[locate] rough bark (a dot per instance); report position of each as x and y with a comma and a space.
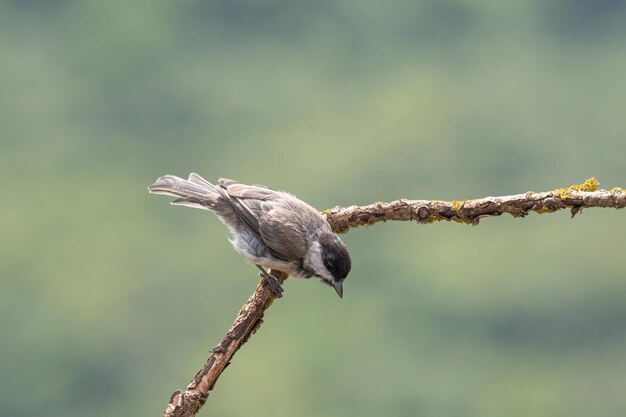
188, 403
576, 197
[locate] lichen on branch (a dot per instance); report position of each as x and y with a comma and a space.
575, 197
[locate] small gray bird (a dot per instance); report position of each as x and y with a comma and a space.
269, 228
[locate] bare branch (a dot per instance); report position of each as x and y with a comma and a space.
576, 197
187, 403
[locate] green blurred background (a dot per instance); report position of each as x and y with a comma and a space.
110, 298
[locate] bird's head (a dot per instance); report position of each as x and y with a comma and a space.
330, 261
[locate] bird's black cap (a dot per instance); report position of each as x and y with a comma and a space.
335, 256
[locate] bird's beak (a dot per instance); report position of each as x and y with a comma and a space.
339, 288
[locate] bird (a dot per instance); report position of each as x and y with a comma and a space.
269, 228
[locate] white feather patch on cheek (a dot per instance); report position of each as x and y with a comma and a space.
314, 260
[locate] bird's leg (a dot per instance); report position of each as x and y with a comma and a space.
272, 281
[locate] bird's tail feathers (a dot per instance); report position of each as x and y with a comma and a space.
193, 192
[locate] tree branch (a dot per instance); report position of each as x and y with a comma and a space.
576, 197
187, 403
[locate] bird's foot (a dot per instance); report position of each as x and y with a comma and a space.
272, 282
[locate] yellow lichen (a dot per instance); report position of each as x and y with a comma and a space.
457, 205
543, 209
590, 185
435, 218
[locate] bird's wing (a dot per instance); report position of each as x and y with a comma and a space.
261, 209
246, 191
283, 231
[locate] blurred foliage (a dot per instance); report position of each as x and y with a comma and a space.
110, 299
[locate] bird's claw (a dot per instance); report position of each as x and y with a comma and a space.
272, 282
274, 285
